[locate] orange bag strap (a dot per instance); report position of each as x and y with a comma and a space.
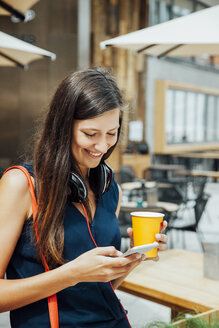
52, 300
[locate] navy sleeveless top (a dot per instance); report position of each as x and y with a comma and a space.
92, 304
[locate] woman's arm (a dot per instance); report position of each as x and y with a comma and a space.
15, 208
100, 264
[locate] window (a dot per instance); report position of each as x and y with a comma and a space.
191, 116
185, 117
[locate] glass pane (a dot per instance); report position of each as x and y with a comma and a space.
215, 117
154, 12
187, 4
210, 118
164, 12
217, 126
179, 117
169, 116
190, 117
200, 116
182, 8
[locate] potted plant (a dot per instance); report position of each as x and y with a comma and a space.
208, 319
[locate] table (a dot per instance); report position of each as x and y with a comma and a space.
162, 171
175, 281
212, 155
138, 185
132, 206
206, 173
200, 173
203, 154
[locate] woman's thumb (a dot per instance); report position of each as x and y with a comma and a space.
108, 251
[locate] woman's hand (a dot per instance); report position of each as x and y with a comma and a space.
161, 238
101, 264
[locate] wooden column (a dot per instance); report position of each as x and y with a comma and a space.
111, 18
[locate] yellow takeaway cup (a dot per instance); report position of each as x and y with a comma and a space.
145, 226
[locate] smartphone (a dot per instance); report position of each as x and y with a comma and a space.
141, 249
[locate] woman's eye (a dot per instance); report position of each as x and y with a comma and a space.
112, 134
89, 135
94, 134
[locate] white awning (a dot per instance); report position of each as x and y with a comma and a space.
191, 35
15, 52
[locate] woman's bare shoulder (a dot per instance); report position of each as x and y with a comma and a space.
14, 179
14, 194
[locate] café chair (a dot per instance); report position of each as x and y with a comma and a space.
170, 193
178, 224
198, 184
125, 174
124, 221
168, 216
163, 172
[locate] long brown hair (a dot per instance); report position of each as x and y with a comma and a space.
81, 95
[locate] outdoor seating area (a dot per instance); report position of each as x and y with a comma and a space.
182, 198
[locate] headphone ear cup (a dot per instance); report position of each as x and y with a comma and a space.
101, 178
77, 188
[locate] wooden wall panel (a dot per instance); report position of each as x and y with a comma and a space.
25, 94
9, 115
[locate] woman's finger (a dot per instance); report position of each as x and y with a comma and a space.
130, 234
107, 251
155, 259
162, 247
163, 226
161, 237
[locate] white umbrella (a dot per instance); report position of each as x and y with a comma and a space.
14, 52
17, 8
191, 35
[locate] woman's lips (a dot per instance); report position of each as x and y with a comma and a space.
93, 154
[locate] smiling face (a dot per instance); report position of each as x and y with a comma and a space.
93, 137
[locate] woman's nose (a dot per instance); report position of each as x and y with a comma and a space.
102, 146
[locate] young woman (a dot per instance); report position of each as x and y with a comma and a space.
78, 205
